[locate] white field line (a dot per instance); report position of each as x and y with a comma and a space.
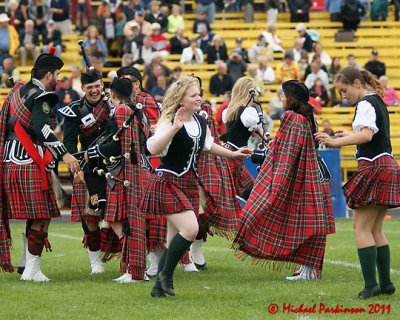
215, 249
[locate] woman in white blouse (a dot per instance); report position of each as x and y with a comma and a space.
173, 190
192, 54
264, 71
273, 39
376, 185
325, 58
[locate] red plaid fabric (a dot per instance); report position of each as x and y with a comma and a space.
101, 113
375, 183
222, 209
242, 177
166, 193
110, 244
23, 192
289, 205
134, 250
78, 202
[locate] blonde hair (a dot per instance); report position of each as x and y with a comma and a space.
174, 95
240, 96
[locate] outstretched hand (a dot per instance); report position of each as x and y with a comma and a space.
242, 153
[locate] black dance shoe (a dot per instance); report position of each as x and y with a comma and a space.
167, 284
157, 291
369, 292
388, 289
201, 267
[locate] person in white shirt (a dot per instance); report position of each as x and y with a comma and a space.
325, 58
265, 72
192, 54
273, 39
317, 72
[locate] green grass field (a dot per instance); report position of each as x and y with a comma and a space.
230, 289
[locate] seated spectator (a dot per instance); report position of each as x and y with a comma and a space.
159, 42
75, 80
261, 48
108, 28
299, 10
297, 51
265, 72
141, 54
9, 38
204, 39
176, 74
375, 66
145, 26
275, 106
351, 12
351, 62
236, 65
333, 6
158, 91
334, 68
272, 38
131, 7
252, 73
319, 92
327, 128
59, 10
52, 38
192, 54
217, 51
155, 69
317, 59
221, 82
29, 41
179, 42
305, 37
65, 96
201, 20
390, 96
325, 58
9, 71
95, 48
38, 11
134, 43
288, 69
379, 10
317, 72
175, 19
243, 51
119, 33
304, 68
155, 15
81, 10
18, 13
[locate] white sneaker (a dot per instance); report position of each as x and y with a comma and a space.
95, 262
127, 278
32, 270
152, 270
305, 273
190, 267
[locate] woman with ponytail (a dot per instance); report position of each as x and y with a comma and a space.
375, 186
289, 213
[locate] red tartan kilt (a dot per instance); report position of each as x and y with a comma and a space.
24, 195
166, 193
78, 202
115, 203
242, 177
375, 183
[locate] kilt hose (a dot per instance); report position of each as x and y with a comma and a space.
242, 177
24, 197
289, 211
375, 183
166, 194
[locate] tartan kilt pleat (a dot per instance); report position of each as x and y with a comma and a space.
242, 177
166, 193
78, 202
25, 198
222, 210
114, 210
375, 183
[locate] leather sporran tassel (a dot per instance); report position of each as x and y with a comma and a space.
58, 191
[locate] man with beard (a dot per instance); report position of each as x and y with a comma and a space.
86, 119
27, 147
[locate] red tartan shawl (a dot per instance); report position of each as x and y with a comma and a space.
101, 113
289, 203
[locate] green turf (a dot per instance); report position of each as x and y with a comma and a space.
230, 289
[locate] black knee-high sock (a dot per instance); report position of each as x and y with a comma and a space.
383, 264
367, 258
176, 250
161, 262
